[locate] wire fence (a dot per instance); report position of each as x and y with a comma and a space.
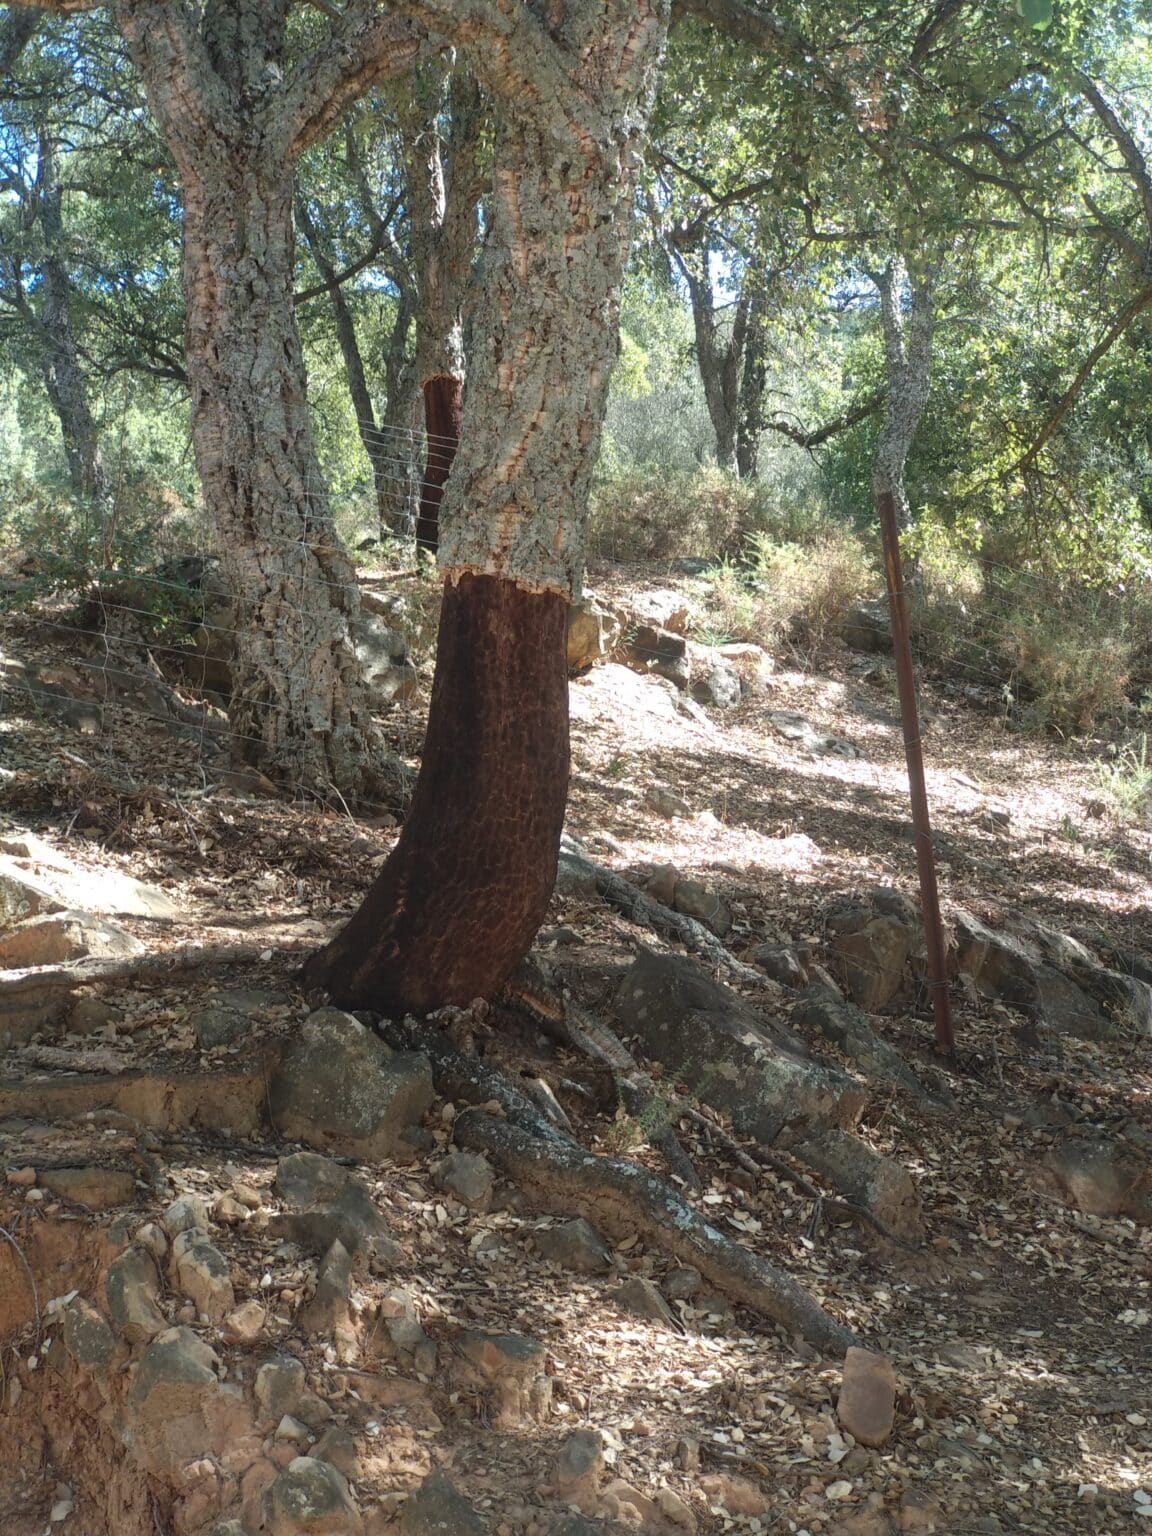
1036, 651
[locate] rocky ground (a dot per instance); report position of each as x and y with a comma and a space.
262, 1271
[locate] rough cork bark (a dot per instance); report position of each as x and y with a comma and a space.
235, 121
455, 907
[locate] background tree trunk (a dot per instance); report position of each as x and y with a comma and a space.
64, 377
908, 375
443, 189
371, 438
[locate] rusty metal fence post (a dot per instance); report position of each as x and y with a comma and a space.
918, 790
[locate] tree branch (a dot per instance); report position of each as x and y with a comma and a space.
362, 49
1123, 320
1125, 143
338, 279
830, 428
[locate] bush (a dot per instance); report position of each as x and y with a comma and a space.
641, 515
799, 591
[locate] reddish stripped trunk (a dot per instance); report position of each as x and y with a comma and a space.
443, 406
469, 880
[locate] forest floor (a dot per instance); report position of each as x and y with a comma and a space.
1021, 1334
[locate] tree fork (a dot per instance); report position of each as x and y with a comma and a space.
457, 903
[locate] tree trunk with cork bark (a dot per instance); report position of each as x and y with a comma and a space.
456, 904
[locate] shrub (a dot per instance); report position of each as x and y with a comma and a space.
794, 590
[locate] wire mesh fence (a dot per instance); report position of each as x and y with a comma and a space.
1031, 653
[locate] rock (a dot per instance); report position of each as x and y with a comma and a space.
185, 1213
695, 900
666, 802
100, 1189
708, 1039
1100, 1177
752, 664
678, 1514
215, 1027
245, 1323
36, 879
781, 962
229, 1528
437, 1509
468, 1176
87, 1337
350, 1217
279, 1388
593, 630
65, 936
866, 1406
880, 1184
154, 1238
311, 1498
575, 1245
578, 1468
1011, 969
653, 649
133, 1287
663, 607
514, 1366
90, 1014
850, 1029
180, 1410
306, 1178
921, 1515
641, 1297
682, 1283
870, 962
330, 1308
717, 683
339, 1088
796, 727
867, 627
227, 1211
738, 1495
337, 1446
200, 1271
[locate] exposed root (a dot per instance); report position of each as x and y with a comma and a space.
641, 909
626, 1200
619, 1196
81, 973
640, 1096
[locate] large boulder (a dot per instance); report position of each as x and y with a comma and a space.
339, 1088
709, 1040
60, 937
180, 1409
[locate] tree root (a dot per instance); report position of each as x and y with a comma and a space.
649, 1108
621, 1197
31, 979
643, 910
626, 1200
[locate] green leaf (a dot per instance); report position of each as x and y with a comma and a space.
1037, 13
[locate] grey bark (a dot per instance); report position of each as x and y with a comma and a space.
908, 374
574, 99
718, 355
371, 438
64, 377
234, 123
